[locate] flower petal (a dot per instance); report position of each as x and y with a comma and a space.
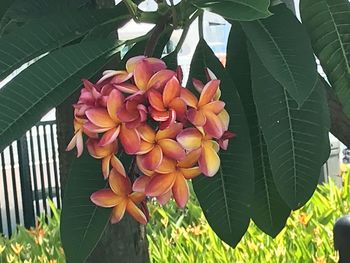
191, 159
190, 139
180, 190
130, 140
105, 198
152, 159
100, 118
147, 133
167, 166
120, 77
169, 133
105, 166
127, 88
110, 136
160, 184
145, 147
156, 64
127, 116
198, 85
214, 106
172, 149
190, 173
156, 101
117, 165
159, 115
179, 106
137, 197
119, 211
225, 119
208, 92
164, 198
136, 213
114, 102
209, 161
188, 97
98, 151
171, 91
132, 62
143, 169
141, 183
90, 128
196, 117
170, 121
142, 74
213, 125
159, 79
119, 184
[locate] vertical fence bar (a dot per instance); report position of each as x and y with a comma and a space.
6, 194
47, 157
55, 164
34, 174
26, 185
43, 191
14, 185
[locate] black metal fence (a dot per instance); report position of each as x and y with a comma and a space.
29, 176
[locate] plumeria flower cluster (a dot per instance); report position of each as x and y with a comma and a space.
144, 111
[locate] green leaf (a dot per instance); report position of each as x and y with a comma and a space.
296, 137
5, 4
82, 223
48, 82
269, 212
331, 41
48, 33
283, 46
242, 10
226, 197
171, 60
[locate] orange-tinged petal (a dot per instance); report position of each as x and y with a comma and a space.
191, 159
160, 184
143, 169
196, 117
179, 106
142, 74
145, 147
136, 212
132, 62
164, 199
141, 183
198, 85
110, 136
188, 97
125, 115
159, 115
209, 161
169, 133
119, 211
170, 121
127, 88
105, 198
98, 151
105, 166
190, 139
208, 92
120, 77
100, 117
190, 173
117, 165
214, 106
180, 190
156, 101
213, 125
114, 102
130, 139
171, 91
152, 159
137, 197
119, 184
167, 166
159, 79
172, 149
225, 119
90, 128
156, 64
147, 133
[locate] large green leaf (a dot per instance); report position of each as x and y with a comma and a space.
82, 223
284, 48
243, 10
46, 83
47, 33
296, 137
328, 24
4, 5
226, 197
269, 211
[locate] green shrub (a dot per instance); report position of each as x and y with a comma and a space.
184, 236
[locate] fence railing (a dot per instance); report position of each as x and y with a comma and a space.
29, 170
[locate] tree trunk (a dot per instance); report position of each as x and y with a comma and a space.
123, 242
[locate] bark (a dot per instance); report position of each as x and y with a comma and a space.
123, 242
